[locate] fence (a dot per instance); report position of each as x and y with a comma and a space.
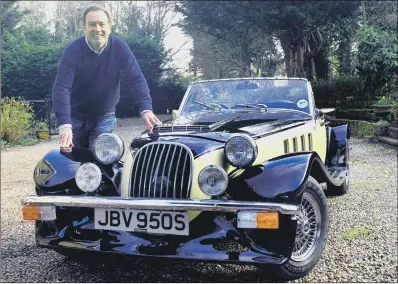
43, 110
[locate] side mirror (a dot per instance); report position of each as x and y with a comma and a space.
175, 113
328, 111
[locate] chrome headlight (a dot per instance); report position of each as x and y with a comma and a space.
108, 148
88, 177
213, 180
241, 150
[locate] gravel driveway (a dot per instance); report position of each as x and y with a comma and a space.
362, 243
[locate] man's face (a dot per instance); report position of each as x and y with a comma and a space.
97, 28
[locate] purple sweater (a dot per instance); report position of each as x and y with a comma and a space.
88, 85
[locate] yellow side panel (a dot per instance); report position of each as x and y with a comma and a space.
128, 163
319, 140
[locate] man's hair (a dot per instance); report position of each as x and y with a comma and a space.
96, 7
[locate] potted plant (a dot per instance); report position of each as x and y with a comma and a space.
383, 107
42, 131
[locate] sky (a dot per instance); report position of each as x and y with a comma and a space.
174, 40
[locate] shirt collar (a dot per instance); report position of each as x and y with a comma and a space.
96, 52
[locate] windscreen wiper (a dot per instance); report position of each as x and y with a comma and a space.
209, 105
257, 106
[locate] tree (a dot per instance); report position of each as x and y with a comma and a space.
298, 26
11, 15
222, 21
377, 57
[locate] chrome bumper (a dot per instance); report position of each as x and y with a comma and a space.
160, 204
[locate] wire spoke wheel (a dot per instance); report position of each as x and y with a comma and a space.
308, 228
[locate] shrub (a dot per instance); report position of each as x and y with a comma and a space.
40, 124
16, 119
395, 109
377, 57
384, 101
347, 92
359, 129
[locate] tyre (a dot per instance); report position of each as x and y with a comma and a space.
311, 234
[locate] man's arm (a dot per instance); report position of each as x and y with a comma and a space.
138, 87
61, 96
62, 86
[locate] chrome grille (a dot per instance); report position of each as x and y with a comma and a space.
162, 170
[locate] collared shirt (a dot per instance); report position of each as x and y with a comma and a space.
96, 52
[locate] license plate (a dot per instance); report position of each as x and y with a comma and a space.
146, 221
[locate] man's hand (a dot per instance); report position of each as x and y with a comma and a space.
150, 120
65, 138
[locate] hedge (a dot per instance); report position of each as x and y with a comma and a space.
359, 128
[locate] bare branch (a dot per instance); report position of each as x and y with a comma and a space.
233, 60
178, 50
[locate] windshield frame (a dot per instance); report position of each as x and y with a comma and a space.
311, 101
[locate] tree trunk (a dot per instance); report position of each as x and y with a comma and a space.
246, 62
298, 69
287, 51
321, 65
344, 54
313, 45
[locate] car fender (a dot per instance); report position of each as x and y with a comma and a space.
54, 169
284, 178
55, 172
337, 152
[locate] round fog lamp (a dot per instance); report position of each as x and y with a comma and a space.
88, 177
213, 180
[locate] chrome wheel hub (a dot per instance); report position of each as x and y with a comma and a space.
308, 228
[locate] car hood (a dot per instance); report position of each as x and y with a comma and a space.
203, 132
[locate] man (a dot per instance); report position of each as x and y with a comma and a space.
87, 86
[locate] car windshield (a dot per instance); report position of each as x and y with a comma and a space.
227, 95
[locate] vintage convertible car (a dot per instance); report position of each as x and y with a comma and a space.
238, 175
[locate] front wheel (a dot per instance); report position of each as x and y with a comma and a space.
311, 234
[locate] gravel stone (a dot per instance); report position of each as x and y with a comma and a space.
371, 203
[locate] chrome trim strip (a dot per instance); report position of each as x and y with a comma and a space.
147, 168
153, 167
170, 166
145, 161
164, 167
175, 178
159, 204
157, 171
183, 173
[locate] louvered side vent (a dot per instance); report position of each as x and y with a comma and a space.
310, 142
286, 146
295, 148
302, 143
182, 128
162, 170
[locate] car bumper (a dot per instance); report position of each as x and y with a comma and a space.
160, 204
213, 235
